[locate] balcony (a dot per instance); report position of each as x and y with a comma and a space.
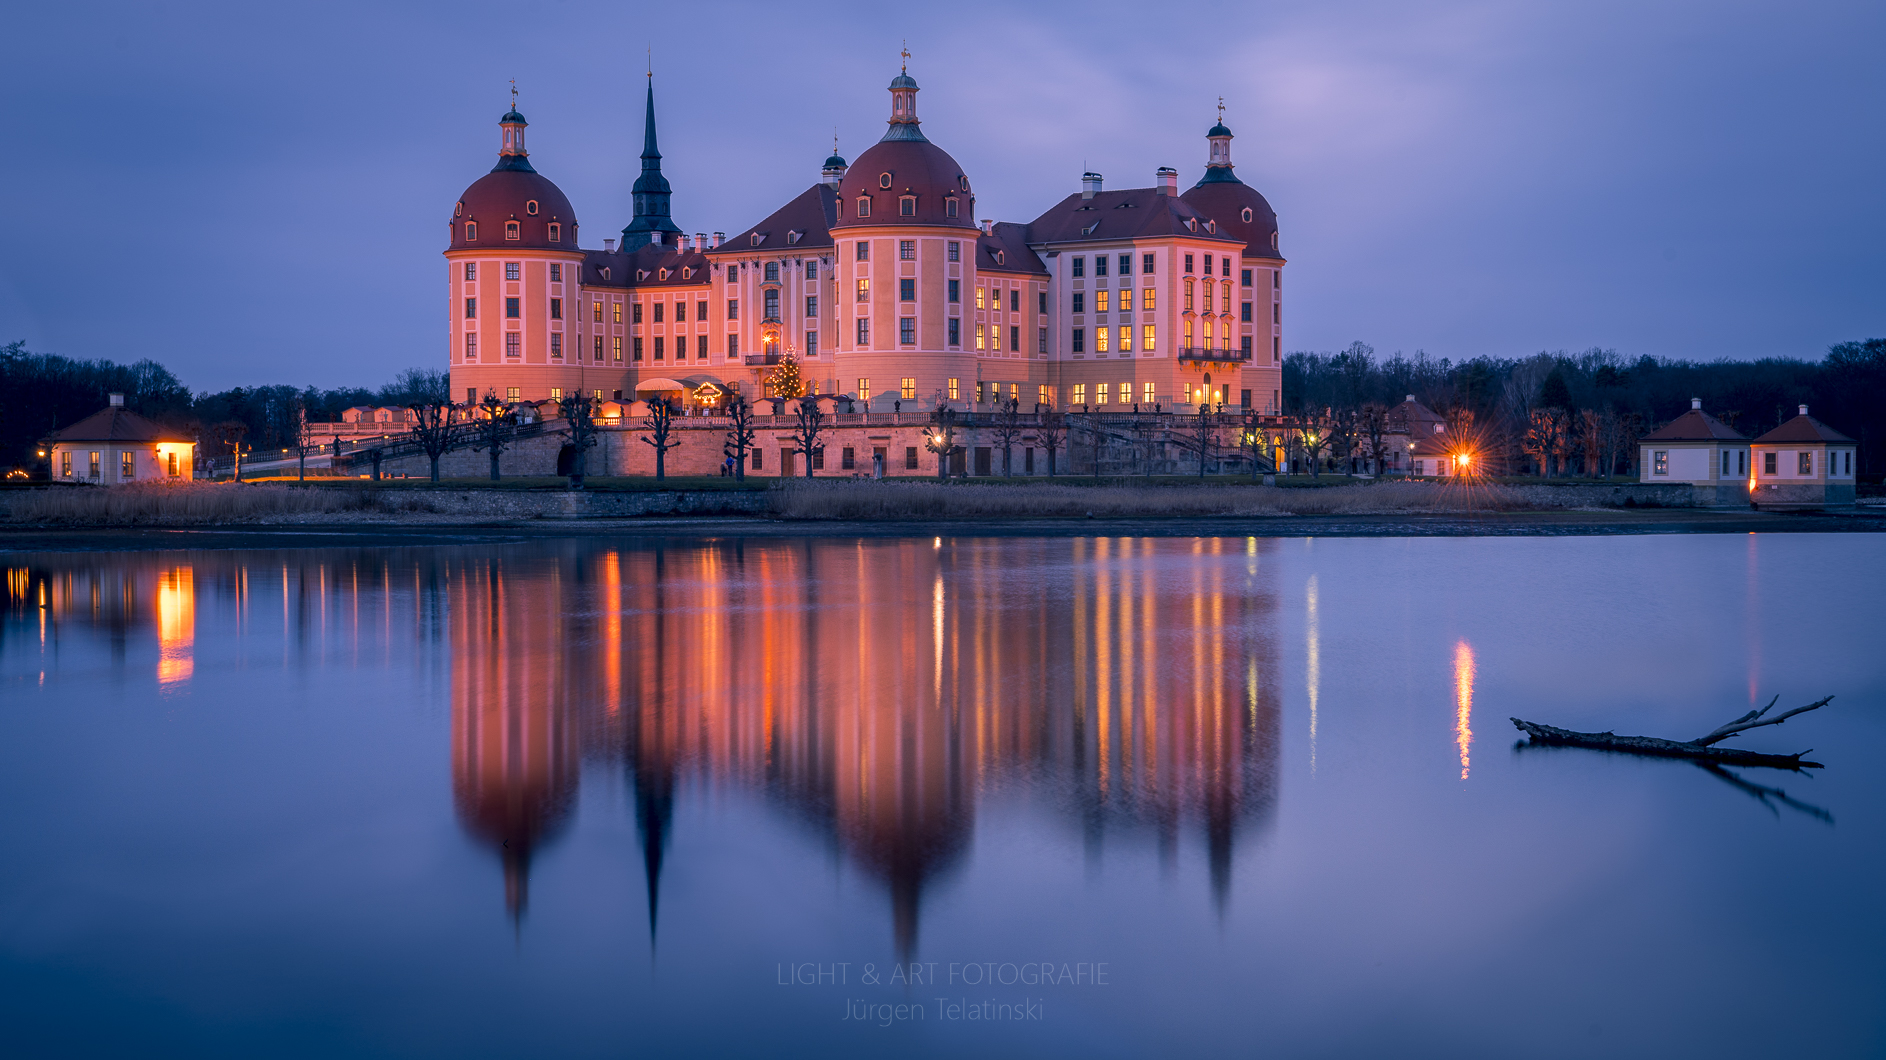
1203, 354
763, 358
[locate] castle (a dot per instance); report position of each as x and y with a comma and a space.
879, 283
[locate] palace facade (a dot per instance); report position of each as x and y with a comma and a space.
880, 283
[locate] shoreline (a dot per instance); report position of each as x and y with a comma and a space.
433, 531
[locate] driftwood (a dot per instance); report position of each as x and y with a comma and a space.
1701, 749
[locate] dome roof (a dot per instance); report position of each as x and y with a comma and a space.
915, 167
837, 161
1225, 201
1218, 130
903, 80
506, 194
513, 116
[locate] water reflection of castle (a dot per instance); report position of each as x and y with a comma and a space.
876, 689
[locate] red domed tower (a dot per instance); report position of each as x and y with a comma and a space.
513, 269
904, 235
1240, 210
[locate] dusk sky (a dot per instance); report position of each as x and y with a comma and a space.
256, 193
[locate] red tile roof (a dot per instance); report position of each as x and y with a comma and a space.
1803, 428
117, 424
1695, 426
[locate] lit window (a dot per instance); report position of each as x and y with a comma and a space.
1100, 301
864, 290
1126, 338
471, 231
981, 340
616, 343
1100, 339
1807, 464
981, 298
1208, 334
512, 230
1042, 396
864, 388
598, 352
953, 387
907, 290
1660, 462
1146, 299
955, 251
617, 308
1188, 294
556, 393
1080, 393
1147, 394
1208, 291
908, 388
595, 311
1100, 394
1188, 335
512, 344
127, 465
510, 393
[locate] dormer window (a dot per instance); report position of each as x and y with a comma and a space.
907, 205
1191, 224
793, 236
997, 255
755, 239
471, 231
949, 206
459, 210
1246, 215
884, 180
1211, 226
864, 206
641, 274
687, 273
1273, 241
1089, 230
556, 233
531, 207
605, 272
513, 230
663, 275
962, 182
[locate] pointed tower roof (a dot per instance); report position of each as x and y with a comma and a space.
650, 193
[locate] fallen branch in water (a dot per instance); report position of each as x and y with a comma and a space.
1763, 793
1699, 749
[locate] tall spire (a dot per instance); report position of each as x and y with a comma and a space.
649, 195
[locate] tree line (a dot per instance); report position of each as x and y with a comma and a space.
42, 392
1560, 413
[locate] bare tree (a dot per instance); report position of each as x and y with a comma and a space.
659, 425
1006, 428
1372, 428
303, 441
740, 434
1251, 441
1590, 424
436, 430
1203, 437
1313, 442
493, 427
579, 410
231, 434
1052, 431
941, 439
1343, 431
806, 431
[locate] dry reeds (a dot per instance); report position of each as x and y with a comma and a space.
196, 503
870, 500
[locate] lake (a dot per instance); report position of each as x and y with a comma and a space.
1083, 797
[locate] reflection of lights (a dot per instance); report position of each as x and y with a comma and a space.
1463, 701
1315, 667
176, 626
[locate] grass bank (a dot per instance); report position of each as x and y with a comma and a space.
865, 500
202, 503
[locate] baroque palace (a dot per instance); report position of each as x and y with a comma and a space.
880, 284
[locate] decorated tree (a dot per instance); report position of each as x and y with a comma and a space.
784, 380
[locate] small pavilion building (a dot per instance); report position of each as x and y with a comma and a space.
115, 445
1702, 451
1802, 464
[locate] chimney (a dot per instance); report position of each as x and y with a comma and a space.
718, 237
700, 241
1696, 403
1803, 408
1410, 399
987, 226
609, 246
117, 402
1090, 185
1168, 180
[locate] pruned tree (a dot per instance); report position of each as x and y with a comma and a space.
740, 434
1005, 428
660, 425
941, 439
1052, 432
1252, 442
435, 429
231, 434
579, 411
493, 427
806, 430
1202, 438
1373, 429
303, 441
1313, 441
1344, 429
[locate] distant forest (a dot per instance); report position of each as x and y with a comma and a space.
1541, 413
41, 392
1560, 413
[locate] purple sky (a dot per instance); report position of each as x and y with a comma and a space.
257, 193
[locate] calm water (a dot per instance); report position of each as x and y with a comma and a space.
614, 798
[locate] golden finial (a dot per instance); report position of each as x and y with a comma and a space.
906, 56
514, 94
651, 62
1221, 110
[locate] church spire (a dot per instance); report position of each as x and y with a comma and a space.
652, 223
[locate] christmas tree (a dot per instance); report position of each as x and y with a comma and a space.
784, 381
